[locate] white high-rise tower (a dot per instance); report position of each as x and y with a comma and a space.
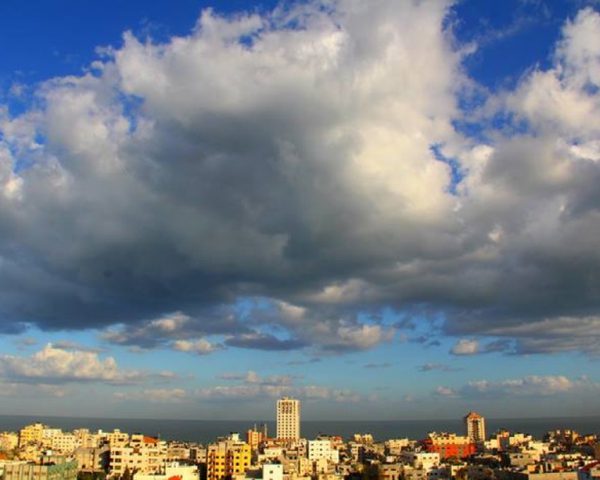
288, 418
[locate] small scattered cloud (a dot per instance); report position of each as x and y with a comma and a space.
17, 90
441, 367
264, 341
377, 365
26, 342
357, 337
532, 385
253, 378
73, 346
253, 391
465, 347
528, 386
39, 390
304, 362
158, 395
199, 347
443, 391
251, 385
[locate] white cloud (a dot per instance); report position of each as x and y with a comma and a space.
199, 347
55, 365
253, 391
528, 386
465, 347
252, 385
559, 99
533, 385
445, 391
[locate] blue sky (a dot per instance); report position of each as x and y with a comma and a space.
388, 210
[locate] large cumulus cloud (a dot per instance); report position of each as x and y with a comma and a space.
298, 158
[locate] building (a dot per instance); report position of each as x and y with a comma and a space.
389, 471
92, 459
8, 441
322, 449
422, 460
116, 438
31, 434
475, 428
288, 418
171, 471
272, 471
55, 469
64, 442
449, 445
394, 446
142, 454
228, 457
256, 436
86, 439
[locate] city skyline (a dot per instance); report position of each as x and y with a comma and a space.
387, 210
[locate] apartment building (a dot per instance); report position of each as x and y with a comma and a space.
229, 456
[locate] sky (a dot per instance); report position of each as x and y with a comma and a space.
389, 210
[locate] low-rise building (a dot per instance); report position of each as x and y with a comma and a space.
322, 449
51, 468
8, 441
272, 471
171, 471
424, 460
449, 445
90, 459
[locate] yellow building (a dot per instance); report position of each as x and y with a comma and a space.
228, 457
8, 441
31, 434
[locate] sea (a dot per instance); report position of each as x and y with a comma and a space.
206, 431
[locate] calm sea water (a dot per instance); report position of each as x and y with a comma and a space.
205, 431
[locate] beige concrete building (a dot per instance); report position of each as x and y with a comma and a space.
8, 441
116, 438
64, 443
86, 439
288, 418
31, 434
57, 469
171, 471
323, 449
92, 459
142, 454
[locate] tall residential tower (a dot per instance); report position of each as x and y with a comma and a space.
288, 418
475, 426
